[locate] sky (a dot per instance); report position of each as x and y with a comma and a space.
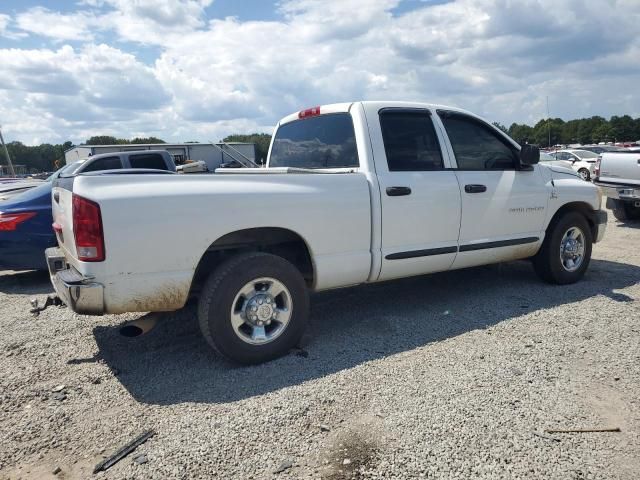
186, 70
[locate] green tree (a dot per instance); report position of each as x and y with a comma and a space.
147, 140
262, 141
521, 133
500, 126
104, 140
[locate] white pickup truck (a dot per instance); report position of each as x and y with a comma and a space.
618, 175
354, 193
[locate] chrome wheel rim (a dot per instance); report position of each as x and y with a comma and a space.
261, 311
572, 248
584, 174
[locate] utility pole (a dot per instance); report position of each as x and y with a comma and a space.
548, 121
6, 152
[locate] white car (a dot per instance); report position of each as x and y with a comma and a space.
353, 193
546, 159
582, 161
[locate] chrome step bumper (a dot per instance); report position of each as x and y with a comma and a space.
80, 294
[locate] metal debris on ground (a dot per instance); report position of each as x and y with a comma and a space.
546, 437
286, 465
123, 452
140, 459
585, 430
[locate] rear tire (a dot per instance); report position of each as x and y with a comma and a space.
624, 211
554, 263
254, 308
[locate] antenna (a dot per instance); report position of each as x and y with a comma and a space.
6, 152
548, 121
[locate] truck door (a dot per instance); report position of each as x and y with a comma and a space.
503, 207
420, 198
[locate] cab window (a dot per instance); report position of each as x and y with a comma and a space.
106, 163
325, 141
410, 140
476, 145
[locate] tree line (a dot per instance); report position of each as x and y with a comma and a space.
555, 131
47, 157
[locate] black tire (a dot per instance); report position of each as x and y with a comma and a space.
624, 211
547, 262
219, 293
584, 174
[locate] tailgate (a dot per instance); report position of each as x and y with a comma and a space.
620, 168
62, 202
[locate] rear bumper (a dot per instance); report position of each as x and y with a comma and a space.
619, 191
80, 294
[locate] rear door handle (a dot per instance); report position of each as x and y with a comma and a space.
398, 191
474, 188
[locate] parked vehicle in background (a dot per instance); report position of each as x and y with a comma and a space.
145, 159
601, 148
353, 193
10, 187
26, 219
546, 159
618, 175
582, 161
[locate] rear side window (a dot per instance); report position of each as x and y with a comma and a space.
148, 160
410, 141
325, 141
106, 163
475, 145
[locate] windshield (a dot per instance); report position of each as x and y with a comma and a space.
70, 169
585, 154
326, 141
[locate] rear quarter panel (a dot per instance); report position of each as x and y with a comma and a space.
157, 228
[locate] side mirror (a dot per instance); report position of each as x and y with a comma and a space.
529, 154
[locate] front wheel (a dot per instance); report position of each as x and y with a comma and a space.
566, 251
254, 308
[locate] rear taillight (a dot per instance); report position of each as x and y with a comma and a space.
597, 169
10, 221
87, 229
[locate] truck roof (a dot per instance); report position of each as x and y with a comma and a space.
345, 107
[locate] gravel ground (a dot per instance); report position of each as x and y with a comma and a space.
454, 375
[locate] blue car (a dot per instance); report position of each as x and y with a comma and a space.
25, 226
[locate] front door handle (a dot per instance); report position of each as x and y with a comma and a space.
473, 188
398, 191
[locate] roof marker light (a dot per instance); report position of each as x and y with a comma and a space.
309, 112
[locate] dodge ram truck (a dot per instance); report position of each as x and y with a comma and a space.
353, 193
618, 175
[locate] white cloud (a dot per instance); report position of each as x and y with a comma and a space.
6, 32
499, 58
58, 26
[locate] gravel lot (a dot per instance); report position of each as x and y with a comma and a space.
454, 375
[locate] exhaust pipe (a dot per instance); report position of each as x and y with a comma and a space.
139, 327
637, 203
